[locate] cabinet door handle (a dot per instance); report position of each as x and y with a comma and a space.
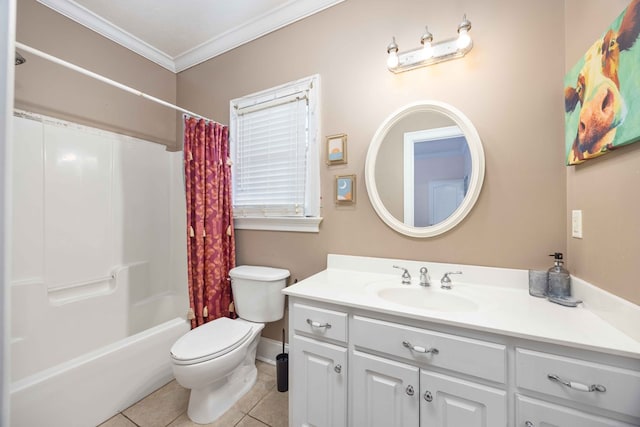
578, 386
428, 396
419, 349
528, 424
337, 368
410, 390
315, 324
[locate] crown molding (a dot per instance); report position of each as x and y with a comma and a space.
85, 17
278, 18
289, 13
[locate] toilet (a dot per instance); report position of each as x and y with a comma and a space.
217, 360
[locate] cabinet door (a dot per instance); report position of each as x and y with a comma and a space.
536, 413
451, 402
385, 393
318, 393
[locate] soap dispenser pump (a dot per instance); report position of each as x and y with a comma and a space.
559, 278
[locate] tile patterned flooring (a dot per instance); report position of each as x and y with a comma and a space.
262, 406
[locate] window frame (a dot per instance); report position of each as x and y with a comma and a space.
310, 222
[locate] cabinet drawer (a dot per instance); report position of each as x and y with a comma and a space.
320, 322
538, 413
622, 386
465, 355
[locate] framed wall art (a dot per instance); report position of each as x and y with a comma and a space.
337, 149
602, 94
345, 189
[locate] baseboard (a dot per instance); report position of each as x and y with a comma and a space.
268, 349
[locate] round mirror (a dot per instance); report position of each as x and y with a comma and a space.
424, 169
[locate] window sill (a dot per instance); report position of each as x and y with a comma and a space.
305, 225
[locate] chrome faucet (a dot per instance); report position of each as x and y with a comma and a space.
445, 282
406, 277
425, 280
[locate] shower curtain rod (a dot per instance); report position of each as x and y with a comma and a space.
106, 80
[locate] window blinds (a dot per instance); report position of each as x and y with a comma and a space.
270, 158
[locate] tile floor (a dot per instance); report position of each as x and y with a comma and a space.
262, 406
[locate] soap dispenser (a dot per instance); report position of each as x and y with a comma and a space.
559, 278
559, 290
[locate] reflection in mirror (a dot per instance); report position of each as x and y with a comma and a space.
437, 165
424, 169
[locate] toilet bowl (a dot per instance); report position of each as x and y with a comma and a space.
217, 360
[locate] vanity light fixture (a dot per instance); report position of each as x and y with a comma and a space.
430, 53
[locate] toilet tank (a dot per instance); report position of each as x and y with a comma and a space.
257, 292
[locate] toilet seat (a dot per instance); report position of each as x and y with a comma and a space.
210, 340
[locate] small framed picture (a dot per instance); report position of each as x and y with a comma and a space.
345, 189
337, 149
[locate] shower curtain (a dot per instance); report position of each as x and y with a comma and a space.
210, 234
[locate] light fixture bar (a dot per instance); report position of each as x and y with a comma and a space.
430, 53
445, 50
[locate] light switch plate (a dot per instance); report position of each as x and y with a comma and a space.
576, 224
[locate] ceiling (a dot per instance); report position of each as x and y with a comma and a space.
178, 34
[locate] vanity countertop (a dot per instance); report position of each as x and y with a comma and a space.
500, 302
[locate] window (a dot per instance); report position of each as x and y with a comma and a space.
275, 154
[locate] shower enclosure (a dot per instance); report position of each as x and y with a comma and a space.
98, 289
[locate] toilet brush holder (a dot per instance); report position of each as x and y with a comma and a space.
282, 369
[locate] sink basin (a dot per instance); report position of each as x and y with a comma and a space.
427, 299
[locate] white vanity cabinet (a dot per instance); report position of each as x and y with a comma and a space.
400, 387
318, 367
384, 392
390, 393
356, 367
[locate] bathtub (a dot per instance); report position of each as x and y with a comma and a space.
90, 389
97, 366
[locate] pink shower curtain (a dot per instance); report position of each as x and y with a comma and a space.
210, 234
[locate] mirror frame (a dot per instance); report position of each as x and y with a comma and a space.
475, 181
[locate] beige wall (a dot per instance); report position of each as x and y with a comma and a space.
44, 87
508, 86
606, 188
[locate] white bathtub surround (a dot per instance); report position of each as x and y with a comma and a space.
99, 257
483, 353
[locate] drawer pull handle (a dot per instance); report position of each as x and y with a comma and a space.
315, 324
578, 386
419, 349
410, 390
337, 368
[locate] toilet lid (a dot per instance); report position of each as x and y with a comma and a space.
210, 340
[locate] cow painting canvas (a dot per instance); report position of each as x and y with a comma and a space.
602, 92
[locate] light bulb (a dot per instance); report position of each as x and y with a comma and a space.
392, 59
427, 47
427, 50
464, 40
392, 50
